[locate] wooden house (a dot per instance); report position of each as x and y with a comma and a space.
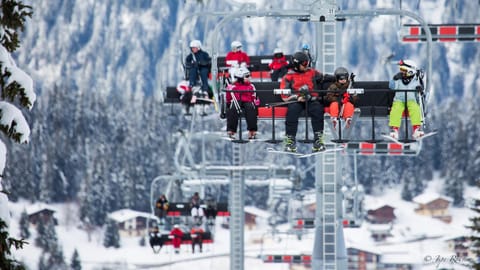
253, 215
381, 215
434, 205
40, 213
133, 223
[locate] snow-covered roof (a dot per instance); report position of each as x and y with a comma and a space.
127, 214
256, 211
429, 197
35, 208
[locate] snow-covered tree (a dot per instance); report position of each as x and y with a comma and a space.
46, 235
475, 228
75, 263
24, 225
112, 237
16, 90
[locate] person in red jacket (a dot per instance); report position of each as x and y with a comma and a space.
278, 66
197, 238
302, 81
177, 235
236, 58
237, 100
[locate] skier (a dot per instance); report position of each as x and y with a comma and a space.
161, 207
406, 79
278, 66
302, 81
198, 62
306, 50
236, 58
238, 101
176, 234
197, 237
196, 210
341, 103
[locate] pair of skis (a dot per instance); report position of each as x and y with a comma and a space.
303, 155
426, 135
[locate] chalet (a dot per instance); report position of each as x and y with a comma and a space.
40, 213
132, 223
460, 245
380, 232
254, 215
381, 215
360, 258
433, 205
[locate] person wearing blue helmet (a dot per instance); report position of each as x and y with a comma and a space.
306, 50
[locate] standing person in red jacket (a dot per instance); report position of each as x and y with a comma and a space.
236, 58
278, 66
302, 81
177, 235
236, 101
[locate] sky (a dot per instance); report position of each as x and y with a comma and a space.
400, 247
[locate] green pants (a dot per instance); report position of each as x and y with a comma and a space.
397, 111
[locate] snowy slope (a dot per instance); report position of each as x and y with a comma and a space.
403, 246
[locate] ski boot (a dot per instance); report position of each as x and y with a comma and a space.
231, 135
394, 132
417, 133
318, 144
290, 144
348, 122
252, 135
334, 122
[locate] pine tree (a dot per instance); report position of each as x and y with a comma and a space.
24, 226
475, 227
112, 237
75, 262
46, 236
13, 16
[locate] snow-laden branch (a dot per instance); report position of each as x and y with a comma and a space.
13, 122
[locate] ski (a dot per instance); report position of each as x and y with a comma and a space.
303, 155
321, 152
271, 150
426, 135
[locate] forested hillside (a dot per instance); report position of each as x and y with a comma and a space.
100, 132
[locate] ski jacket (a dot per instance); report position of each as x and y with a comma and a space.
340, 93
399, 85
295, 80
200, 59
278, 62
247, 96
177, 237
162, 204
239, 56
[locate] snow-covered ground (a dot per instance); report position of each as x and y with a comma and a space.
403, 246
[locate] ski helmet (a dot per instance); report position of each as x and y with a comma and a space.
241, 73
236, 44
341, 73
300, 58
409, 66
196, 44
305, 47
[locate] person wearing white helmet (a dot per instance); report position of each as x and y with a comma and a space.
198, 63
236, 58
240, 97
406, 79
278, 66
